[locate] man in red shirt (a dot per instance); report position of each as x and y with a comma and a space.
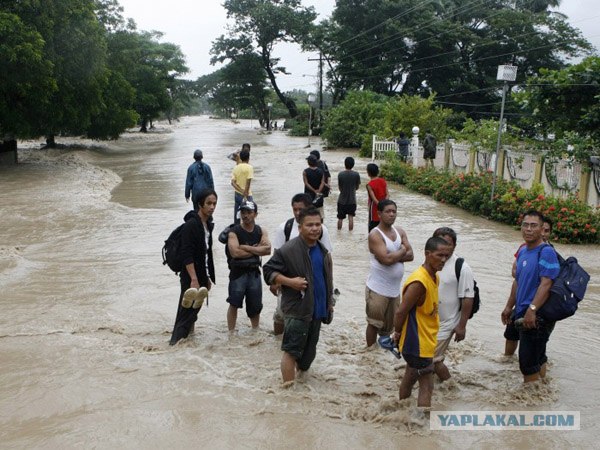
377, 190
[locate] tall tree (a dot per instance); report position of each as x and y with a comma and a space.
450, 47
258, 25
26, 82
150, 66
240, 84
562, 101
74, 44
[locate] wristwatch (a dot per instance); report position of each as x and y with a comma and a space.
532, 307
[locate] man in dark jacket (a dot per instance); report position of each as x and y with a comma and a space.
197, 256
303, 269
199, 177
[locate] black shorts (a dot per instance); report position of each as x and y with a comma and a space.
300, 340
345, 210
422, 365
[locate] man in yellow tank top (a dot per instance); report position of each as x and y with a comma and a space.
417, 322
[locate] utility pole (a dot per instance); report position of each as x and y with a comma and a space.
320, 59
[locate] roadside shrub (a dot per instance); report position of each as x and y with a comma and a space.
574, 221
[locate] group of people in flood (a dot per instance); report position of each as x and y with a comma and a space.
417, 320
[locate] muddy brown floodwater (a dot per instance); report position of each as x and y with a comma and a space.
87, 310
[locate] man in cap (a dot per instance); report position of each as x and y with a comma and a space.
246, 243
199, 177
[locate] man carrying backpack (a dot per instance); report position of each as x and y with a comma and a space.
455, 302
199, 177
286, 231
246, 243
537, 267
198, 271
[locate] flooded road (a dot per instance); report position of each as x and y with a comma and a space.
87, 311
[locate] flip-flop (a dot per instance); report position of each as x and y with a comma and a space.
387, 343
189, 297
199, 301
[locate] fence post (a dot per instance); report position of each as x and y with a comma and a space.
584, 184
415, 145
447, 150
472, 157
373, 148
537, 174
500, 159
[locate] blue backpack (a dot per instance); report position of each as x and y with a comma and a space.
567, 290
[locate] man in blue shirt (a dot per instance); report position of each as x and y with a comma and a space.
537, 266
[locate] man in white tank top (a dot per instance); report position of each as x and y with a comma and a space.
389, 249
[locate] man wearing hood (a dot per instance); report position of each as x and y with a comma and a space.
199, 271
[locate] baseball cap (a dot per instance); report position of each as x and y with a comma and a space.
316, 154
249, 206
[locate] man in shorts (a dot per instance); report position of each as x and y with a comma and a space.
455, 303
348, 183
417, 322
246, 243
389, 249
537, 267
304, 270
511, 334
286, 231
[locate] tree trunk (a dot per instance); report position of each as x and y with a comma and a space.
144, 127
287, 101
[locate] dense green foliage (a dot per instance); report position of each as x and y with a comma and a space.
450, 47
78, 67
574, 221
363, 114
563, 101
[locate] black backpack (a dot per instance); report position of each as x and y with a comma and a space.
476, 299
567, 289
171, 250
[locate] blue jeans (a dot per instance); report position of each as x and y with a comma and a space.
237, 200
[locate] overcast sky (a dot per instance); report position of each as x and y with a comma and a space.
195, 24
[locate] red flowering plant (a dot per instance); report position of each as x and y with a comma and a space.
574, 221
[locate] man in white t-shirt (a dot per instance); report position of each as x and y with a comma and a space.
286, 231
455, 303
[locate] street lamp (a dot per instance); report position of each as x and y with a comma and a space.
269, 105
310, 100
506, 73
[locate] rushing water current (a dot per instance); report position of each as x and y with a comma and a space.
87, 310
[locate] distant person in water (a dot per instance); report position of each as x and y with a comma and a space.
199, 177
241, 178
377, 190
348, 183
235, 156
